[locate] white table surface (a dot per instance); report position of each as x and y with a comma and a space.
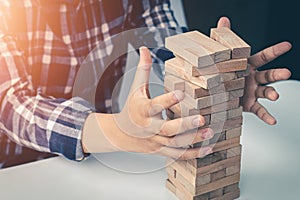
270, 166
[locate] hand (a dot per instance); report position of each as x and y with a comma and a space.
140, 127
255, 82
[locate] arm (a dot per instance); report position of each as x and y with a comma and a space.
29, 118
255, 83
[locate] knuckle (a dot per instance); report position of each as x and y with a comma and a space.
264, 56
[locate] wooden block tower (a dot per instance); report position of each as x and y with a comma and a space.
211, 71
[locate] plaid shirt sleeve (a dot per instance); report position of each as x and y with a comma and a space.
31, 119
159, 18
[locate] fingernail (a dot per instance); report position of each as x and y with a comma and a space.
207, 134
178, 95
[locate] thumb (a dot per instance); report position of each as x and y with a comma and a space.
142, 74
224, 22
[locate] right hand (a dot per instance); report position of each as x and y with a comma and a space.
140, 126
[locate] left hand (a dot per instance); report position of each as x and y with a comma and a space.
255, 82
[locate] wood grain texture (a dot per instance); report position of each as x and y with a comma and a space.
184, 109
229, 180
223, 164
229, 196
225, 36
206, 101
232, 65
234, 151
197, 92
197, 48
172, 83
208, 81
235, 132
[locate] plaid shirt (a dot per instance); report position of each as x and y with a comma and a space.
42, 45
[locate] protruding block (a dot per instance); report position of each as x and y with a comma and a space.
239, 48
221, 67
173, 67
197, 48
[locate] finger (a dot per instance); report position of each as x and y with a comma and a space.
272, 75
267, 55
224, 22
181, 125
266, 92
142, 74
185, 139
159, 103
186, 154
262, 113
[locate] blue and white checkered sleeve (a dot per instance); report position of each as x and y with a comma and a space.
33, 120
158, 17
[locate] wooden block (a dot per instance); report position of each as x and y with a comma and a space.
229, 180
230, 85
236, 94
202, 180
226, 76
243, 73
197, 92
232, 65
229, 196
172, 172
234, 151
233, 170
173, 67
234, 84
190, 187
180, 195
233, 113
197, 48
219, 117
218, 175
216, 193
170, 186
172, 83
239, 48
218, 137
184, 109
208, 160
232, 133
231, 188
185, 172
181, 187
234, 103
224, 126
219, 51
226, 115
206, 101
227, 144
223, 164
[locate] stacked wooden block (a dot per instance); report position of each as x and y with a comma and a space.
211, 71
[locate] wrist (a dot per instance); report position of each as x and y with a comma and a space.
98, 133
